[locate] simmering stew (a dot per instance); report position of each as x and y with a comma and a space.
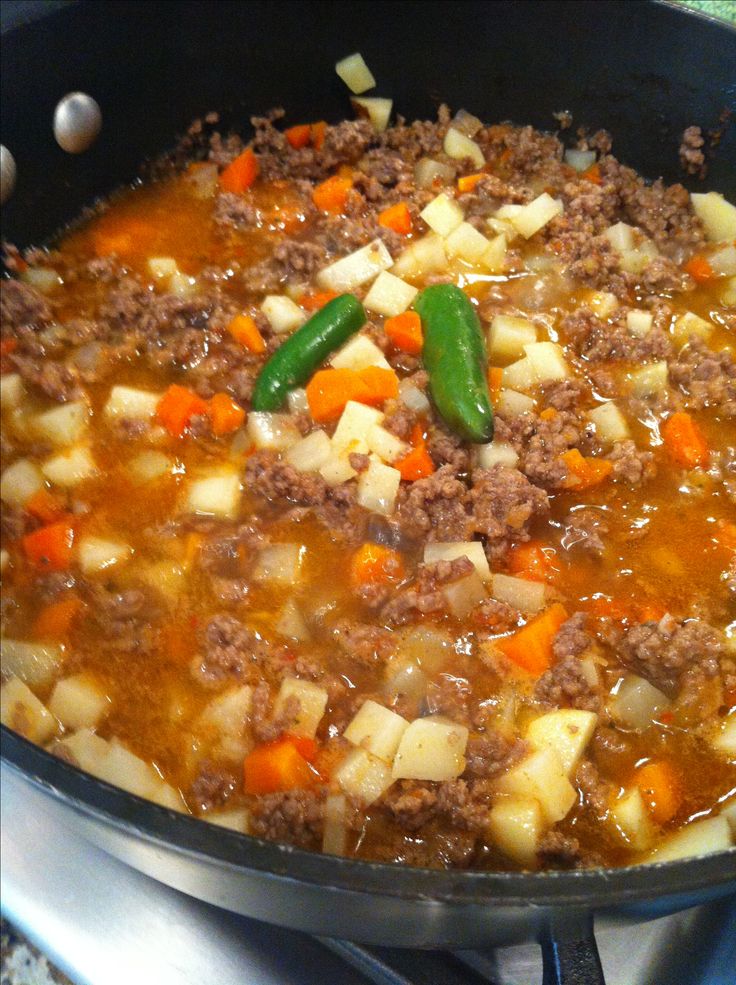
371, 488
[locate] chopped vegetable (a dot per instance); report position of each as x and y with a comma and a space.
332, 194
177, 407
330, 390
450, 550
377, 110
442, 215
699, 269
355, 73
685, 442
225, 414
585, 472
240, 174
405, 332
431, 750
50, 547
660, 789
357, 268
467, 182
382, 385
245, 331
216, 494
460, 147
417, 464
313, 302
531, 646
318, 131
377, 488
533, 560
298, 136
45, 506
373, 564
717, 215
534, 216
277, 766
389, 295
55, 621
283, 314
397, 218
99, 554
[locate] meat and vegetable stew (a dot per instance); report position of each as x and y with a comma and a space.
371, 488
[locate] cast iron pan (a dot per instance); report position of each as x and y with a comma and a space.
643, 70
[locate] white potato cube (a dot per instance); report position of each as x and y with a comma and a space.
728, 294
729, 812
515, 825
649, 380
20, 481
500, 222
150, 465
610, 423
275, 431
463, 595
236, 819
312, 703
33, 663
360, 352
710, 834
639, 323
181, 284
124, 769
450, 550
167, 577
78, 702
460, 147
283, 314
603, 303
217, 494
536, 214
98, 554
280, 564
620, 236
352, 429
443, 215
568, 731
636, 261
363, 777
88, 751
511, 403
377, 729
691, 324
22, 711
723, 261
69, 468
44, 279
290, 623
377, 487
357, 268
507, 337
431, 750
310, 452
355, 73
385, 444
467, 243
548, 361
520, 375
635, 703
541, 777
377, 109
336, 470
717, 215
12, 391
494, 258
228, 712
335, 833
130, 403
389, 295
62, 425
422, 257
161, 268
725, 738
631, 818
527, 596
497, 453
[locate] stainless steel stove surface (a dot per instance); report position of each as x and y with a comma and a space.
103, 923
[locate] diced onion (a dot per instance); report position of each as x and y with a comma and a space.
296, 401
413, 398
635, 703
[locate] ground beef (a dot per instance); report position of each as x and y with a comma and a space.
227, 651
14, 522
631, 465
292, 261
295, 817
212, 787
22, 305
264, 724
425, 597
56, 380
367, 645
566, 395
561, 851
707, 377
344, 143
413, 805
663, 651
692, 157
435, 508
542, 451
497, 617
124, 618
410, 804
503, 504
585, 529
235, 211
566, 685
490, 754
446, 448
598, 341
571, 639
596, 791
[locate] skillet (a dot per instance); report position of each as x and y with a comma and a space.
644, 70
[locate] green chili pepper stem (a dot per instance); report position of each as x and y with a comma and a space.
300, 355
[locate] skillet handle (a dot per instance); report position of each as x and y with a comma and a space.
572, 962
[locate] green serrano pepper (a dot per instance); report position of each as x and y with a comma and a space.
455, 357
296, 359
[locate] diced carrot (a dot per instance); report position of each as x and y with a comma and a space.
382, 384
318, 131
240, 174
45, 506
304, 745
725, 535
373, 564
177, 407
398, 218
276, 766
55, 621
684, 441
548, 414
495, 379
660, 787
298, 136
245, 331
405, 332
124, 235
699, 269
7, 346
533, 560
417, 464
531, 646
50, 547
313, 302
505, 156
610, 608
332, 194
650, 611
584, 473
593, 174
330, 389
225, 414
468, 182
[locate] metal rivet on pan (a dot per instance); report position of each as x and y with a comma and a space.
77, 121
7, 174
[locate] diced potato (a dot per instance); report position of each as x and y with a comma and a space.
363, 777
429, 173
4, 560
515, 825
335, 834
280, 564
710, 834
521, 593
78, 702
355, 73
98, 554
635, 703
336, 470
131, 404
22, 711
723, 261
290, 623
431, 750
467, 243
44, 279
636, 261
463, 595
377, 488
725, 738
87, 750
389, 295
352, 429
691, 324
428, 646
12, 391
536, 214
283, 314
620, 236
639, 322
385, 444
450, 550
296, 401
167, 577
717, 215
20, 481
62, 425
217, 494
541, 777
276, 431
407, 683
235, 819
377, 729
520, 375
649, 380
377, 109
422, 257
507, 337
124, 769
357, 268
603, 303
494, 258
33, 663
312, 703
310, 452
548, 361
442, 214
511, 403
500, 222
69, 468
610, 423
728, 295
460, 147
466, 123
631, 818
228, 712
729, 812
161, 268
150, 465
567, 730
412, 397
581, 160
359, 353
497, 453
181, 284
